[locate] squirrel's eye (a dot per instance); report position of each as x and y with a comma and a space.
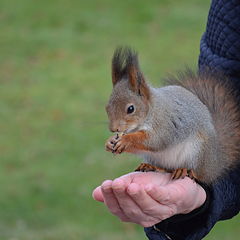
130, 109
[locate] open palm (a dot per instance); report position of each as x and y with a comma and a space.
148, 198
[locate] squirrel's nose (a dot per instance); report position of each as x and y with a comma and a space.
113, 128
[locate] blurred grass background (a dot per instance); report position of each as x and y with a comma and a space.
55, 81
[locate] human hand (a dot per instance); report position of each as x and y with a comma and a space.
147, 198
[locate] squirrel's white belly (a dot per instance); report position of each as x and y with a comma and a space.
182, 155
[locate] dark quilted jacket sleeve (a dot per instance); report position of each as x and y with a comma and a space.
220, 50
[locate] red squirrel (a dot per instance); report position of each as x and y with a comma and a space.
189, 128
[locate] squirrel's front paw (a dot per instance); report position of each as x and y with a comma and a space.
121, 145
111, 142
116, 144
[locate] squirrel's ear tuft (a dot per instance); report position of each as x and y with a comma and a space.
125, 64
119, 64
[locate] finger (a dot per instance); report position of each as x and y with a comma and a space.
147, 204
126, 203
168, 201
97, 194
169, 194
142, 199
158, 193
129, 207
111, 201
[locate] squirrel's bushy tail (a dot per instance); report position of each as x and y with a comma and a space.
216, 92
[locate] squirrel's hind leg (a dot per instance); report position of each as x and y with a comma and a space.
182, 173
179, 173
192, 174
145, 167
176, 174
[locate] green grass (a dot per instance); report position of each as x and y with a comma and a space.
54, 84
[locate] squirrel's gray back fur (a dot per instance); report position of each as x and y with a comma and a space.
200, 124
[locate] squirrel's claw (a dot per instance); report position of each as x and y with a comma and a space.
182, 173
179, 173
192, 174
110, 144
115, 144
108, 147
146, 167
120, 146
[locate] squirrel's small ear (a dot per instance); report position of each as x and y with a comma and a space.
135, 76
138, 83
125, 65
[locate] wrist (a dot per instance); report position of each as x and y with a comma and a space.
195, 197
200, 207
175, 225
199, 199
